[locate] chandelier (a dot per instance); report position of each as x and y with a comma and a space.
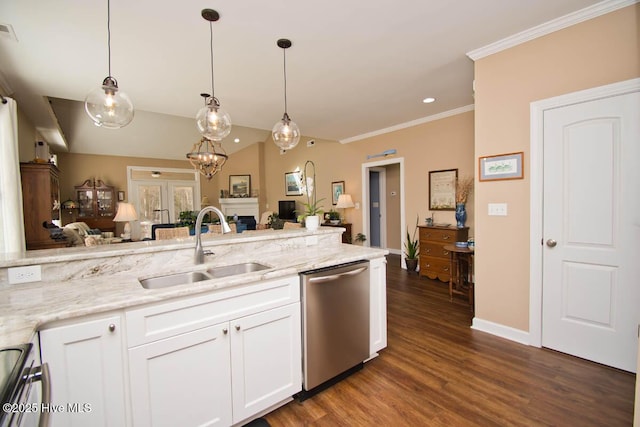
207, 157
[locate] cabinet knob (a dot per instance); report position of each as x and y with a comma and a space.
237, 327
225, 331
112, 327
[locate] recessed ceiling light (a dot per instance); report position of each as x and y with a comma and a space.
236, 140
428, 100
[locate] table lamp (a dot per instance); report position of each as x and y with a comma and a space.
344, 202
126, 213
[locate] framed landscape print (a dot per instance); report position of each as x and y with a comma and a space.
292, 184
442, 190
239, 185
503, 166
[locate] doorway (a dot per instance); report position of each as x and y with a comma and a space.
377, 208
585, 198
379, 171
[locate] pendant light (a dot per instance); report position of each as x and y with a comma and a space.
207, 156
285, 133
107, 105
212, 120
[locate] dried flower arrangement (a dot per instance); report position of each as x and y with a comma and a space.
464, 187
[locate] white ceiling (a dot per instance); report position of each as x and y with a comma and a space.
355, 66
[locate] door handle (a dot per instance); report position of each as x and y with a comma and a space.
551, 243
322, 279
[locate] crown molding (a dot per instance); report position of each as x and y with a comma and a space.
412, 123
573, 18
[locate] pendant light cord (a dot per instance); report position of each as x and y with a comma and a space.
284, 56
213, 92
109, 33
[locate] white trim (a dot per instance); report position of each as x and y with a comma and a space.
365, 193
499, 330
537, 110
565, 21
412, 123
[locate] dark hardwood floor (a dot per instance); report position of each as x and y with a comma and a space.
436, 371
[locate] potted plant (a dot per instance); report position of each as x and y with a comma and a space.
312, 208
333, 217
411, 249
361, 238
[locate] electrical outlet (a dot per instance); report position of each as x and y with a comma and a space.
31, 273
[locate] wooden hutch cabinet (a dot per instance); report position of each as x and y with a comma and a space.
434, 259
96, 204
40, 202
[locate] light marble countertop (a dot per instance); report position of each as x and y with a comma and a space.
107, 279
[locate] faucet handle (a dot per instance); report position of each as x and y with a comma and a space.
208, 252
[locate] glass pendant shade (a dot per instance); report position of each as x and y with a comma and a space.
108, 106
286, 133
213, 121
207, 157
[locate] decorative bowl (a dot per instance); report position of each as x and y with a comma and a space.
462, 244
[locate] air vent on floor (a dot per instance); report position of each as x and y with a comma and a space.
6, 31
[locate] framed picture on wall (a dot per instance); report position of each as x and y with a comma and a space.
121, 196
292, 184
503, 166
442, 190
337, 188
239, 185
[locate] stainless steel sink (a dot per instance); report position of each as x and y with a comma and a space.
198, 276
174, 279
232, 270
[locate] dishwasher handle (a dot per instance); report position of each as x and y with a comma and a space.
332, 277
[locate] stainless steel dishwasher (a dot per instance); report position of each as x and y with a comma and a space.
335, 324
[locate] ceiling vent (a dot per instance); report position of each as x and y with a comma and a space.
6, 31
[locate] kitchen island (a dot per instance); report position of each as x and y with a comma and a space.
100, 288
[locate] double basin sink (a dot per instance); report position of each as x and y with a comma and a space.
199, 276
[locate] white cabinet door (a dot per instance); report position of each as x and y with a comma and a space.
378, 301
182, 381
87, 375
266, 359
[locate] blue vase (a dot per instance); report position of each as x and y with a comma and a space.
461, 214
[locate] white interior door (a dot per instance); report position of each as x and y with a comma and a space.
591, 229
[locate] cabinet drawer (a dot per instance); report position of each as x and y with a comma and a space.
430, 249
435, 268
438, 235
161, 321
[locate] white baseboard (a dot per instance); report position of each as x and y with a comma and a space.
502, 331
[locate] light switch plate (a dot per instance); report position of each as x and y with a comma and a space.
498, 209
31, 273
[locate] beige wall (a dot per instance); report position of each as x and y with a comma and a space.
441, 144
593, 53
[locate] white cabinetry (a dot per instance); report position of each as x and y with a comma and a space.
87, 368
378, 298
216, 359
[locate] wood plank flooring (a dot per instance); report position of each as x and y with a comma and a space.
436, 371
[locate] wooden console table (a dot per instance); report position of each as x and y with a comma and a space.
461, 278
346, 236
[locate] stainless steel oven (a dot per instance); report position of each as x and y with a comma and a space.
25, 388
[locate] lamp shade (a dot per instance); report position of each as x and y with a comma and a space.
126, 212
344, 201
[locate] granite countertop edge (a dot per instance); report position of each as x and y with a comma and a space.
29, 307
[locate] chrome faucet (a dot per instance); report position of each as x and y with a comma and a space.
199, 256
